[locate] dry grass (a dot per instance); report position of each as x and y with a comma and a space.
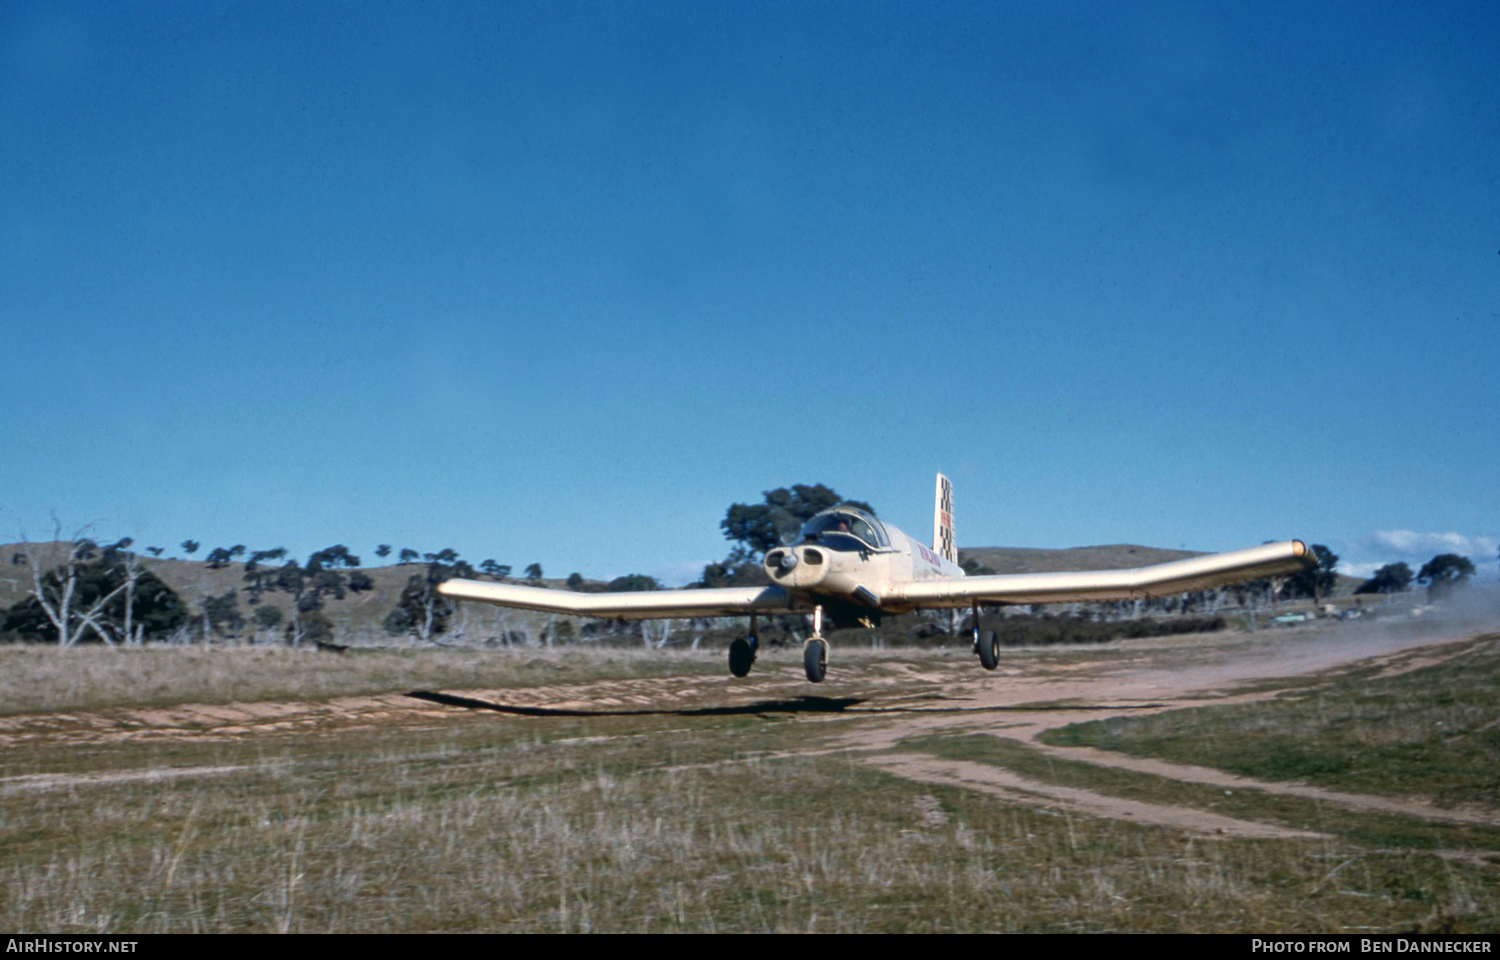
481, 821
37, 679
1390, 833
1431, 732
645, 825
45, 679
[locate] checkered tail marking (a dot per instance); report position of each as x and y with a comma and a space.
942, 521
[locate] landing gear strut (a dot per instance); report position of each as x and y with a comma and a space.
986, 644
815, 650
742, 652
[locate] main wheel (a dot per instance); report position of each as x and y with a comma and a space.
989, 650
815, 660
741, 657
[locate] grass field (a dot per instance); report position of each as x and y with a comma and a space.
641, 825
1386, 833
43, 678
762, 821
1432, 732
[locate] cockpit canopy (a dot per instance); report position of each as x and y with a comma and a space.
837, 526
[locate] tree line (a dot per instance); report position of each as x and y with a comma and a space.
105, 593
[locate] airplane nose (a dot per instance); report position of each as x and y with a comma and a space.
796, 566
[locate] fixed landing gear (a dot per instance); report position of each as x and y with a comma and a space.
742, 652
815, 650
989, 649
986, 644
815, 660
742, 655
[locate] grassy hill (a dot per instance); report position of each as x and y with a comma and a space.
1115, 556
356, 614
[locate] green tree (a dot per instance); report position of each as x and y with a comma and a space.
223, 613
314, 627
973, 567
757, 528
1317, 582
1391, 578
383, 551
534, 572
98, 592
190, 547
421, 611
633, 581
497, 570
780, 515
220, 557
324, 577
266, 619
575, 581
259, 577
1444, 572
337, 555
739, 569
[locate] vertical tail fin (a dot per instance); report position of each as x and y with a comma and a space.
942, 521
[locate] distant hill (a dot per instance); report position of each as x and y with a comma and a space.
1117, 556
193, 580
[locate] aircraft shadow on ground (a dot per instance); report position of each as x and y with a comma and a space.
800, 704
794, 705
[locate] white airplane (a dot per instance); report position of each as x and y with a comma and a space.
853, 569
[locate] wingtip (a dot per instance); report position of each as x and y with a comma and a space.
1306, 554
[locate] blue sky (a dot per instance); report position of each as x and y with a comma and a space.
557, 282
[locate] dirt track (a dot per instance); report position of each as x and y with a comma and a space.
1030, 693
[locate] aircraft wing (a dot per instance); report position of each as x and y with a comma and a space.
1139, 583
630, 605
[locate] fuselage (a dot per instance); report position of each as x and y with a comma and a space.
846, 557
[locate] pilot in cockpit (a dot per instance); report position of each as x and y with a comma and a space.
826, 525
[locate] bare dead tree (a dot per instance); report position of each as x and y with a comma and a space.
655, 633
58, 600
549, 628
1277, 583
132, 566
129, 633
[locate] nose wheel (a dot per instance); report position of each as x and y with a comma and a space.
815, 650
815, 659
